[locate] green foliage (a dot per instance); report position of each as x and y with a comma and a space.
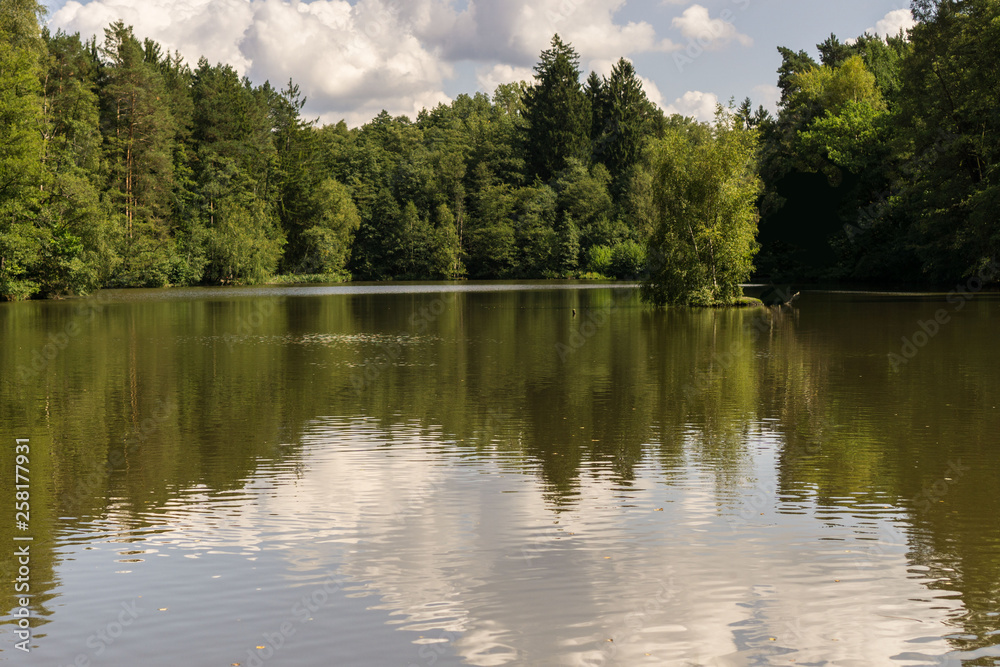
884, 58
624, 119
308, 278
429, 251
138, 131
568, 250
831, 88
330, 229
848, 138
243, 247
79, 253
950, 133
705, 216
446, 249
492, 248
128, 168
417, 244
557, 112
534, 213
827, 156
904, 130
21, 147
78, 250
584, 195
600, 259
833, 52
793, 64
493, 252
233, 126
122, 166
628, 259
596, 96
377, 246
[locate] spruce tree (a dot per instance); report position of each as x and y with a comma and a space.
627, 110
596, 97
557, 112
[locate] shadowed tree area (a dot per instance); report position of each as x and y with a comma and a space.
881, 164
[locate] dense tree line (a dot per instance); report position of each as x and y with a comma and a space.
120, 165
882, 162
123, 167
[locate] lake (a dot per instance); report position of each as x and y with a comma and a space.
472, 474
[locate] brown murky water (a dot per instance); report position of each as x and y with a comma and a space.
470, 475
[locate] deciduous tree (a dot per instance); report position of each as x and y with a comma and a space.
21, 147
705, 216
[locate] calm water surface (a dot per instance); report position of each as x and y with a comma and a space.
471, 475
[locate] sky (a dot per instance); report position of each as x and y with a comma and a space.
352, 59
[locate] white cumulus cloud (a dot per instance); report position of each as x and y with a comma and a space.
711, 34
210, 28
489, 78
893, 22
696, 104
653, 93
516, 31
352, 59
890, 24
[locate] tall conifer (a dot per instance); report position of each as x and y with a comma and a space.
557, 111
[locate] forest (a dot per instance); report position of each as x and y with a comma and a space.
121, 165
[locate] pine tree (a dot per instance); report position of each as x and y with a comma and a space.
569, 245
298, 179
744, 112
139, 133
833, 52
378, 245
792, 64
446, 261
